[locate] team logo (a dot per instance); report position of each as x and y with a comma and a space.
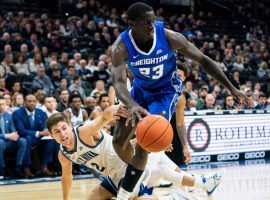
198, 135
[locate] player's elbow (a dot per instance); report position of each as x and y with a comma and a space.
204, 60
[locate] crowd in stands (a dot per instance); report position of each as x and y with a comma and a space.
62, 64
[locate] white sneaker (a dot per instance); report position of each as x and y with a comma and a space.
212, 180
179, 194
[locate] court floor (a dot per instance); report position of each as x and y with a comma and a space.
241, 182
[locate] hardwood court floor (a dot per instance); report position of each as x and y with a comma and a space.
249, 182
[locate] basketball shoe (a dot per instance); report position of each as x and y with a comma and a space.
212, 180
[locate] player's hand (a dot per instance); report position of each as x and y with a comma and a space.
122, 111
169, 148
241, 97
187, 155
136, 112
115, 112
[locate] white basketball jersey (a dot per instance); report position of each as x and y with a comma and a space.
76, 120
100, 157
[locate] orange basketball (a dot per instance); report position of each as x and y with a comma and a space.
154, 133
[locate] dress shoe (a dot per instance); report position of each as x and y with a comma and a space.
46, 172
19, 174
28, 173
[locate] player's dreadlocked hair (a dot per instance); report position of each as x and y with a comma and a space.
136, 10
181, 65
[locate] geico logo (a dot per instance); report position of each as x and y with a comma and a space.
200, 159
257, 154
230, 156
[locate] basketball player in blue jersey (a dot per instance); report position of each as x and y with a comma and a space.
148, 49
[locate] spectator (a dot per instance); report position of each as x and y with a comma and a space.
189, 90
101, 73
30, 123
89, 105
35, 64
229, 103
56, 77
21, 67
76, 86
7, 66
191, 105
24, 50
63, 103
7, 97
263, 103
3, 88
256, 97
10, 140
63, 85
238, 65
85, 73
201, 100
17, 101
71, 74
100, 88
40, 96
4, 40
63, 61
43, 81
91, 65
209, 102
50, 105
103, 103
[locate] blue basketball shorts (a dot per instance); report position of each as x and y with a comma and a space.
158, 100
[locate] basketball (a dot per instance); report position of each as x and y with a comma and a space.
154, 133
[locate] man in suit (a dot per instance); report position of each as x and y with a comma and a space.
10, 140
30, 123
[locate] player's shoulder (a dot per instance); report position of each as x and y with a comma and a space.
118, 45
119, 50
175, 39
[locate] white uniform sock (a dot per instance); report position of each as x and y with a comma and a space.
123, 194
171, 175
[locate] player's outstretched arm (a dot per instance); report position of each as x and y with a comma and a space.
66, 179
91, 128
180, 43
119, 55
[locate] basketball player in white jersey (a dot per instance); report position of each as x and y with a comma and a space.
75, 113
88, 145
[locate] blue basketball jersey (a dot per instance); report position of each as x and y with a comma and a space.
151, 69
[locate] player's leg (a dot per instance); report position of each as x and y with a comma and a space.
133, 173
136, 160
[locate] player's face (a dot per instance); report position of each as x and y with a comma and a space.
104, 103
76, 103
62, 133
144, 26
